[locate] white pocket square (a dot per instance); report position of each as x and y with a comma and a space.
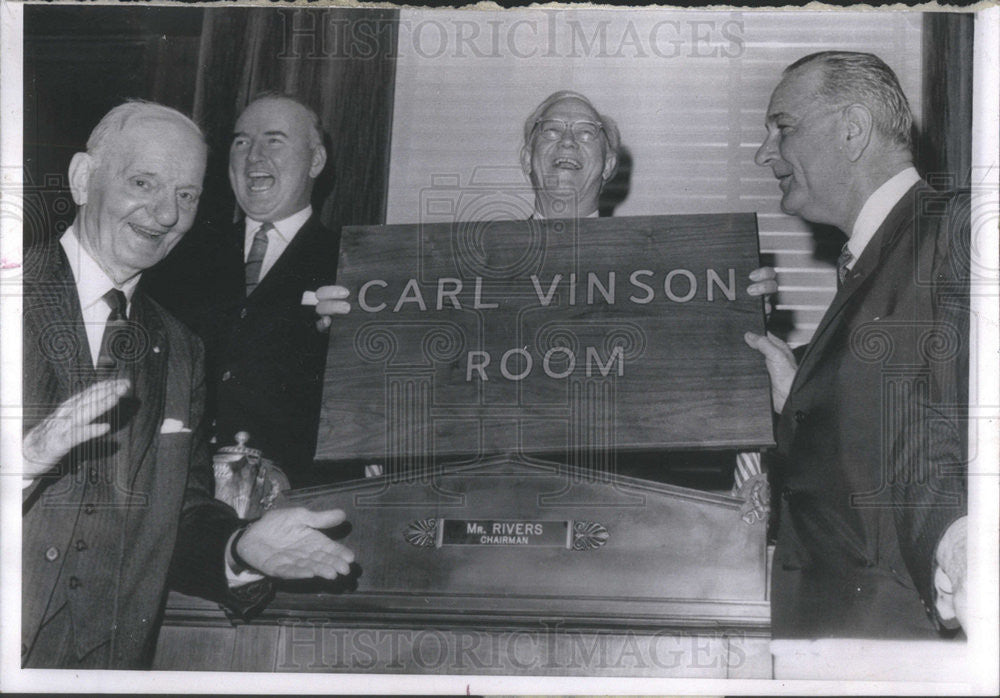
173, 426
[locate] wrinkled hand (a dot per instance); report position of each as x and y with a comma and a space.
765, 283
781, 365
285, 543
950, 576
330, 302
71, 424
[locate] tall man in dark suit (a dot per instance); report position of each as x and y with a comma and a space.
117, 478
266, 351
871, 450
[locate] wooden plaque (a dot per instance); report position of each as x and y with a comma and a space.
561, 338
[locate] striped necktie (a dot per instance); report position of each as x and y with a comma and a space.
116, 341
747, 465
256, 257
843, 260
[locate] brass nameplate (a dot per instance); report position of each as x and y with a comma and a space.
573, 535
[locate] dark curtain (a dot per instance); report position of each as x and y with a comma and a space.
339, 61
944, 150
79, 62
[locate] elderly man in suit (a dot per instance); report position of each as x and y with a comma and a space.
570, 153
871, 451
117, 481
265, 352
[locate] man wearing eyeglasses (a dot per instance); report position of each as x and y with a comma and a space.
570, 152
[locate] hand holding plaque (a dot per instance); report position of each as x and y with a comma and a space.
328, 301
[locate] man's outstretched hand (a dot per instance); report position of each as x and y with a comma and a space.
286, 543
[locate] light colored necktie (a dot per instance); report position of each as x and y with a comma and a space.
747, 465
256, 257
843, 260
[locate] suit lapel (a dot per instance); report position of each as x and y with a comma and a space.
54, 306
867, 265
149, 380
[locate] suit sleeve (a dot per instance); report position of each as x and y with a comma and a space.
206, 524
930, 490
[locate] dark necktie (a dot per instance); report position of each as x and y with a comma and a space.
116, 342
843, 260
256, 257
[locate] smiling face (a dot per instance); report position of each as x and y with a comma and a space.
566, 160
139, 195
274, 159
802, 148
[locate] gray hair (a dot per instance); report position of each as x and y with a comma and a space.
116, 120
850, 76
315, 127
610, 128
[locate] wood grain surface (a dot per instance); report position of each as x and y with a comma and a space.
659, 305
670, 557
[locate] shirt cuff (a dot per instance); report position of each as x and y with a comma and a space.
236, 578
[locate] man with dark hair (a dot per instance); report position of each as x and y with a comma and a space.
266, 351
117, 480
871, 450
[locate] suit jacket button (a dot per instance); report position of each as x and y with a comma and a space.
81, 544
52, 554
800, 417
226, 376
88, 508
74, 582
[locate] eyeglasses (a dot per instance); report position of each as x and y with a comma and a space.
555, 129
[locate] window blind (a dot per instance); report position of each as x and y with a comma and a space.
688, 90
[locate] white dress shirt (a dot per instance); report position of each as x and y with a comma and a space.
876, 209
278, 238
91, 285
